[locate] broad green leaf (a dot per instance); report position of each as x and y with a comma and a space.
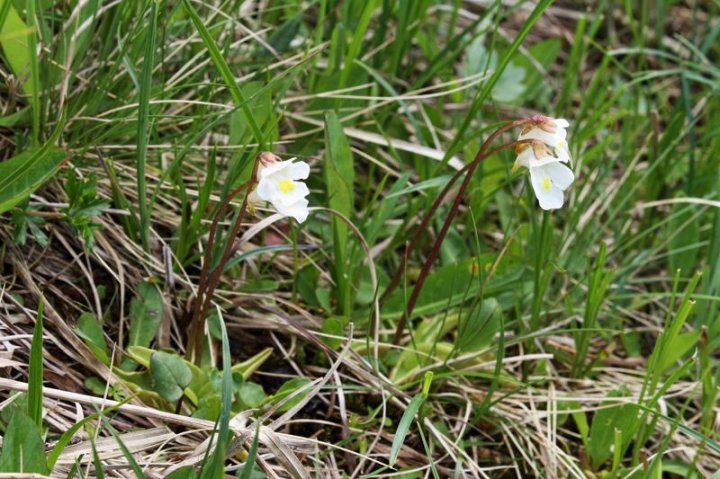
170, 375
145, 315
450, 286
477, 330
251, 394
26, 172
411, 360
510, 86
306, 283
91, 331
611, 416
334, 326
23, 449
208, 407
14, 42
339, 177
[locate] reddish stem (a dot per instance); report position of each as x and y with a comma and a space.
206, 286
418, 236
470, 170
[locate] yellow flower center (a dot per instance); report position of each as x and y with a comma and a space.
546, 183
286, 186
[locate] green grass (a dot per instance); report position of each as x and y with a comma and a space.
581, 342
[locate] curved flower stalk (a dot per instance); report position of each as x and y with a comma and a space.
547, 173
543, 152
278, 184
273, 181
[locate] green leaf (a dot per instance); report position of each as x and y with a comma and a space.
26, 172
450, 286
334, 326
23, 449
146, 312
144, 125
91, 331
404, 427
208, 407
510, 86
14, 42
185, 472
478, 329
289, 388
339, 177
677, 347
251, 394
170, 375
611, 416
19, 118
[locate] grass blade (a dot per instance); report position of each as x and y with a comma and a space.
225, 72
143, 125
216, 467
404, 427
34, 79
35, 375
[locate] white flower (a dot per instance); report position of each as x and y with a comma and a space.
277, 183
549, 181
552, 132
548, 175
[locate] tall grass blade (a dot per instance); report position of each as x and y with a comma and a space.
143, 124
225, 72
35, 375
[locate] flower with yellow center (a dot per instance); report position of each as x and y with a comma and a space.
277, 183
548, 175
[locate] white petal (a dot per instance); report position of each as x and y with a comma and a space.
266, 189
550, 139
545, 160
297, 171
562, 152
549, 196
298, 210
560, 175
524, 158
550, 200
561, 122
274, 168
